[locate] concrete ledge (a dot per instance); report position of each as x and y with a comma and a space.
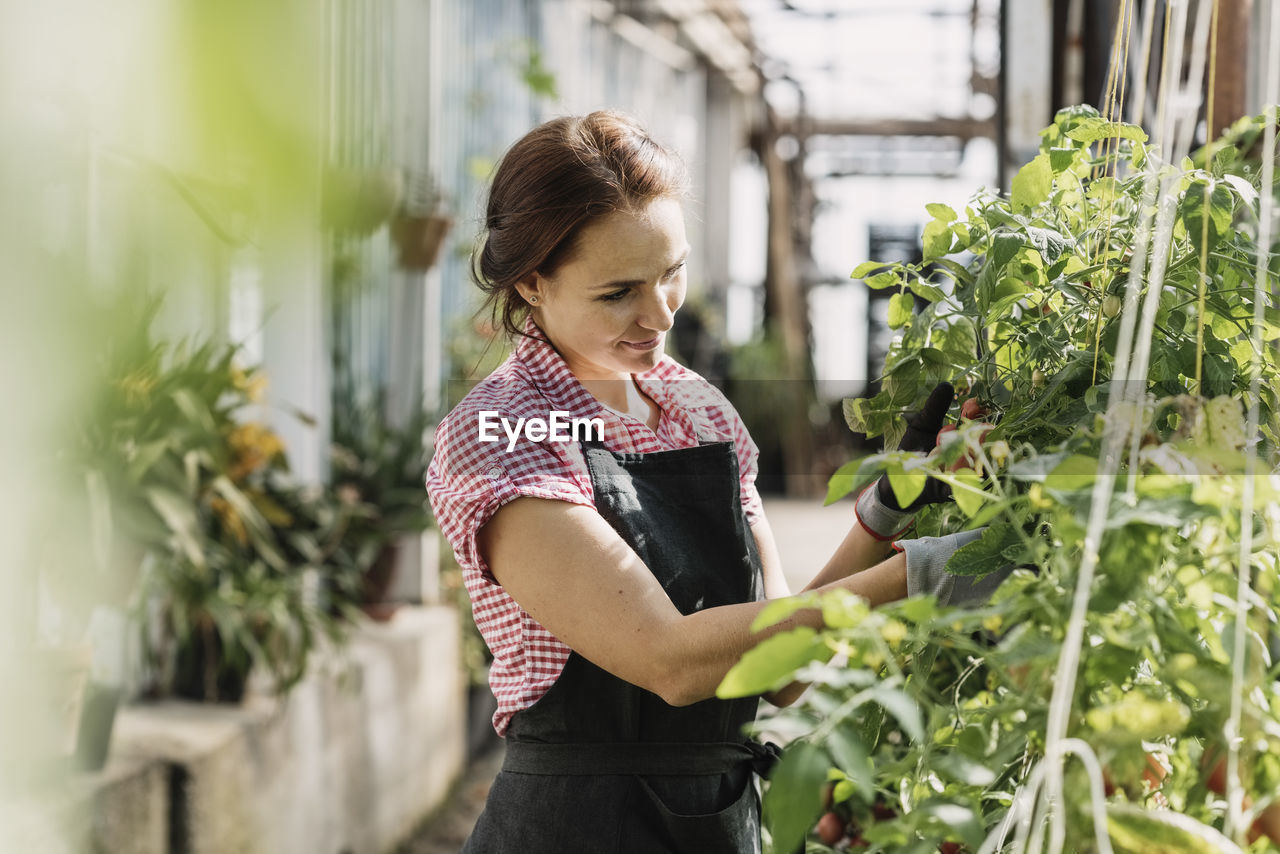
361, 751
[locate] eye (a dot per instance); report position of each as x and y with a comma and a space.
675, 271
615, 296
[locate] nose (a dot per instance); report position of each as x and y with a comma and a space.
659, 310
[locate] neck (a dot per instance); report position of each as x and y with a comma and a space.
615, 393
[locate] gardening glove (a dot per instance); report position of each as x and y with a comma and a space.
926, 570
877, 507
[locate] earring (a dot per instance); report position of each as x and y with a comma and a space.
533, 300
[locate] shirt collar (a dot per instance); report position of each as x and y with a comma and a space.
551, 374
667, 383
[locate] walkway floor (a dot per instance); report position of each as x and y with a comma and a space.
807, 533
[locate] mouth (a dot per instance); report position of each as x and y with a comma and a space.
643, 346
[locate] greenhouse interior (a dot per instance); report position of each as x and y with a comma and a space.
640, 427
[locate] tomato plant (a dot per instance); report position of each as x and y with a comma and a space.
943, 714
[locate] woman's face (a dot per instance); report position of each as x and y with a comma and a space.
608, 308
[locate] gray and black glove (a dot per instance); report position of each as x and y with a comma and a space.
926, 570
877, 507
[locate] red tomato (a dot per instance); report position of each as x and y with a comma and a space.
971, 409
949, 848
830, 828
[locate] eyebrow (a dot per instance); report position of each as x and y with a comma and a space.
626, 283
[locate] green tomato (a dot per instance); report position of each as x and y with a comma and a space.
1111, 305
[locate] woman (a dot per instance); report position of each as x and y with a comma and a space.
615, 575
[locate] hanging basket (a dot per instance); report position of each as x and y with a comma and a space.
419, 238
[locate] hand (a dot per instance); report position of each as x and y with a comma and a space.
923, 428
927, 573
877, 507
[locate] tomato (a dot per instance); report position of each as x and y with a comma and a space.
1037, 378
830, 828
949, 848
971, 409
1267, 824
1111, 305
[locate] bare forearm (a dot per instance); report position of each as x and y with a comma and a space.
701, 647
858, 551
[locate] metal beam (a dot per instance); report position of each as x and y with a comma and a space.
962, 128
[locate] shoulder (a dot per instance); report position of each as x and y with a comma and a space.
508, 392
687, 388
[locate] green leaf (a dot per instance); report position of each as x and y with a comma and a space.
926, 291
1049, 243
1093, 129
880, 281
779, 609
986, 554
1134, 830
179, 514
793, 800
851, 757
906, 485
940, 211
968, 493
1219, 219
936, 240
772, 662
864, 269
1062, 159
1032, 185
1075, 472
842, 482
953, 819
1004, 245
900, 309
842, 609
898, 703
963, 769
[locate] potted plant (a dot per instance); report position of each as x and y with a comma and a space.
382, 469
934, 734
192, 514
420, 225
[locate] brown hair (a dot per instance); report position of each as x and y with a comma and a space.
554, 181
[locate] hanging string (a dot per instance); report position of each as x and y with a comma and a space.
1114, 112
1208, 192
1124, 409
1235, 823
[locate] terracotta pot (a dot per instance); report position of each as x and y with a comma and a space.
419, 238
376, 582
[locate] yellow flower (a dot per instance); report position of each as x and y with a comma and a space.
136, 386
253, 383
229, 519
893, 632
253, 446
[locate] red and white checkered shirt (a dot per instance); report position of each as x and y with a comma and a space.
468, 480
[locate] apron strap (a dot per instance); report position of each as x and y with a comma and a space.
649, 759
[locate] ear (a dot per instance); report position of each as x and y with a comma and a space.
533, 288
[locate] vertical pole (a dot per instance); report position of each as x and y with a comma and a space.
1230, 95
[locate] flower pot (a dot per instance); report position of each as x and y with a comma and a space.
97, 719
376, 583
419, 238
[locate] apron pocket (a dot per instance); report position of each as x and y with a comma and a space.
735, 829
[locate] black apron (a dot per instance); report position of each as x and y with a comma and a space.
599, 766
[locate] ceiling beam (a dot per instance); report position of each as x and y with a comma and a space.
962, 128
